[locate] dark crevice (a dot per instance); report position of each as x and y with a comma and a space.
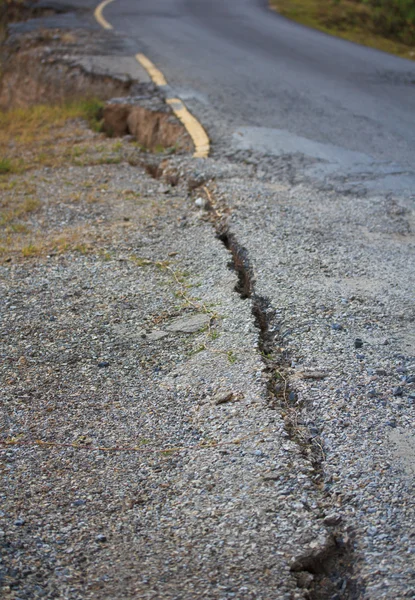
328, 573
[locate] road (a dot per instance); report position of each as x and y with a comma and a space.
311, 177
258, 81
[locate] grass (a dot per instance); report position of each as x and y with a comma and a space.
46, 136
5, 166
387, 25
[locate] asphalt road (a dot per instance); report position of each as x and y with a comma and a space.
258, 81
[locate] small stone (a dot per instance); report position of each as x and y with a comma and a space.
358, 343
332, 520
313, 374
103, 364
381, 372
410, 379
222, 397
20, 522
337, 327
391, 423
200, 202
397, 391
79, 502
292, 397
360, 356
101, 538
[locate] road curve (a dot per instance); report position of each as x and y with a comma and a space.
258, 81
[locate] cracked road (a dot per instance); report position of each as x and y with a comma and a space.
312, 169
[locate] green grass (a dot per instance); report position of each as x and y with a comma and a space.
5, 166
387, 25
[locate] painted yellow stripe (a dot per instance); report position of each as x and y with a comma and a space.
98, 14
194, 128
192, 125
156, 75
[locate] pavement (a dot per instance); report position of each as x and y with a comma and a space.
280, 440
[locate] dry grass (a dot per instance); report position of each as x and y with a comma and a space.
55, 137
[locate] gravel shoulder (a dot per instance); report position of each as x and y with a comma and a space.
139, 455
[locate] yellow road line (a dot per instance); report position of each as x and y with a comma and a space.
98, 14
192, 125
156, 75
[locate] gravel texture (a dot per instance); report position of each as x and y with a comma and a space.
124, 475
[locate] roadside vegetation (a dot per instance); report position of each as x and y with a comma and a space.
387, 25
35, 142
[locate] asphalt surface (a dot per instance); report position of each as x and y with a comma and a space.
262, 83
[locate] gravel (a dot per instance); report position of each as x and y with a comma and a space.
125, 473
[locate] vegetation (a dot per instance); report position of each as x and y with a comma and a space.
388, 25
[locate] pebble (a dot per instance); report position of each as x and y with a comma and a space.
358, 343
103, 364
332, 520
222, 397
397, 391
337, 327
200, 202
101, 538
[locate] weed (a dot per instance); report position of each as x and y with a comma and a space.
231, 357
140, 262
30, 205
30, 251
5, 166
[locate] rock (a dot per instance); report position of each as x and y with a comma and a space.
20, 522
410, 379
79, 503
101, 538
358, 343
222, 397
156, 334
397, 391
189, 324
313, 374
332, 520
200, 202
337, 327
381, 372
103, 364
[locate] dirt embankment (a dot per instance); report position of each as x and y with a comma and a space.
45, 66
